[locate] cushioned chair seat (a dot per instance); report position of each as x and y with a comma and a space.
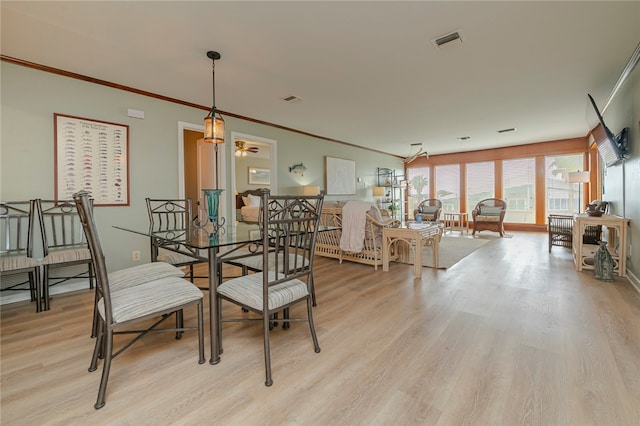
247, 290
488, 218
175, 258
67, 255
141, 274
13, 263
256, 262
151, 298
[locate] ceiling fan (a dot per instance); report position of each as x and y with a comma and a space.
420, 153
242, 148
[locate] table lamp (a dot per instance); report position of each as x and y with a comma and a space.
378, 192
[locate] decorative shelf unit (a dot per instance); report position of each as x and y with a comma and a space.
390, 180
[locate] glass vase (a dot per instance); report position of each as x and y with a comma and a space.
212, 197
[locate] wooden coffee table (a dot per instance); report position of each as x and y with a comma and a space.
411, 236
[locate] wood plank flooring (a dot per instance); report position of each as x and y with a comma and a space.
511, 335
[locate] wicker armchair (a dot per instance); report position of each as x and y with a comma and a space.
489, 215
428, 209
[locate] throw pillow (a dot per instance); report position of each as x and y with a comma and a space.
254, 201
490, 211
429, 209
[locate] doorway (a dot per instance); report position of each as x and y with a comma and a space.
259, 153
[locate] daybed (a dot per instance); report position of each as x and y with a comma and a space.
248, 204
328, 243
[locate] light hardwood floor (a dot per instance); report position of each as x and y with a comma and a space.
511, 335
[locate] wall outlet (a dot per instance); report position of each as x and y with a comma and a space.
135, 255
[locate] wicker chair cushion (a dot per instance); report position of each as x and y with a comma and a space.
247, 290
429, 209
491, 211
487, 218
67, 255
140, 300
13, 263
141, 274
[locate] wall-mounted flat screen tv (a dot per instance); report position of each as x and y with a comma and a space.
609, 146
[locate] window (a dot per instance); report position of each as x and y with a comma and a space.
418, 179
448, 187
480, 183
561, 196
519, 190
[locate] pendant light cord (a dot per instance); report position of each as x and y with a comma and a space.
213, 91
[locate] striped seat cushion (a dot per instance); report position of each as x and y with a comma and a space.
17, 262
256, 262
175, 258
247, 290
156, 296
141, 274
483, 218
67, 255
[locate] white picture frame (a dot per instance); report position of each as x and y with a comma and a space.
258, 176
340, 176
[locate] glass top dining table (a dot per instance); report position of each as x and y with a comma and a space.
211, 247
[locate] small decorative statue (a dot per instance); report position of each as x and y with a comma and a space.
603, 263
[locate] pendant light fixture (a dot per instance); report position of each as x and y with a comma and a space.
214, 133
213, 123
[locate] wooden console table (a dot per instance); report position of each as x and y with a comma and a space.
414, 236
583, 254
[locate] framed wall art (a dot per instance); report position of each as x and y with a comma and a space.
340, 176
93, 156
259, 176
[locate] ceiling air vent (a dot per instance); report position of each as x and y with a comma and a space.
512, 129
292, 99
447, 40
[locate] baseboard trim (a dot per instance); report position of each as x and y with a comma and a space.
635, 282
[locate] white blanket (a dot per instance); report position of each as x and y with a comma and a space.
354, 220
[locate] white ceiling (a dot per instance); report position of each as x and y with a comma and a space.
368, 72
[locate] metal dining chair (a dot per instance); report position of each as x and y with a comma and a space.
289, 232
17, 220
63, 245
172, 215
122, 308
